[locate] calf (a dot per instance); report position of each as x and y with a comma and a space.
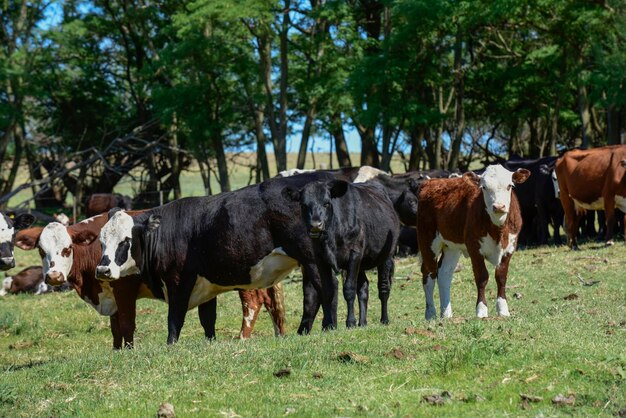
475, 215
9, 225
354, 228
29, 280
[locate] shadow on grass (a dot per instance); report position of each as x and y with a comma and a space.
28, 365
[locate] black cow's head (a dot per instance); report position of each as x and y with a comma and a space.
9, 225
316, 201
120, 238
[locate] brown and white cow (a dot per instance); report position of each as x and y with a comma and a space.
70, 254
474, 215
28, 280
592, 179
99, 203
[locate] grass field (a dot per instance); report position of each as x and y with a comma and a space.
563, 338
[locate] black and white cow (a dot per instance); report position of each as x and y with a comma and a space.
192, 249
354, 228
9, 225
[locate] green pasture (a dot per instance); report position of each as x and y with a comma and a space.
566, 336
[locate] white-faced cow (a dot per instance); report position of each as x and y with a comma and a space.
474, 215
353, 228
70, 254
592, 179
9, 225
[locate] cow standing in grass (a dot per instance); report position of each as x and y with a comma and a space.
475, 215
353, 228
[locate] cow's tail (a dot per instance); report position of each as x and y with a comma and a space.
6, 286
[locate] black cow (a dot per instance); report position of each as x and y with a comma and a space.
354, 228
539, 200
192, 249
9, 225
407, 242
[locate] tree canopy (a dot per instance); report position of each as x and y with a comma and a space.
441, 82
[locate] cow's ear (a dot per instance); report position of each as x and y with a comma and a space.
291, 193
28, 239
471, 178
84, 237
23, 221
113, 211
154, 222
521, 175
414, 184
338, 188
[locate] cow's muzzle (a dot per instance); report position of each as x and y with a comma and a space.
317, 228
103, 273
55, 278
7, 263
499, 208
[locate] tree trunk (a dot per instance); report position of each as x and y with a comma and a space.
459, 88
306, 132
341, 147
262, 166
585, 116
281, 141
175, 158
222, 166
613, 125
369, 153
534, 146
416, 149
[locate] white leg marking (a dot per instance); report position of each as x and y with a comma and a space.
429, 289
502, 307
481, 310
6, 286
444, 280
248, 318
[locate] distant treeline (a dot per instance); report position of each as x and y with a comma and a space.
444, 82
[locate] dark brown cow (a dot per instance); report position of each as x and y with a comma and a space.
475, 215
72, 253
29, 280
99, 203
592, 179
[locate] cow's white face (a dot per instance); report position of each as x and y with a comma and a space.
57, 255
116, 238
7, 231
496, 184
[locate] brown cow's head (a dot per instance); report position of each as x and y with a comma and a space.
496, 184
56, 247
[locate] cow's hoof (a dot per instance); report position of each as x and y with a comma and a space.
447, 312
502, 307
481, 310
431, 314
609, 243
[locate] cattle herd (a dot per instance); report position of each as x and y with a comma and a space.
349, 220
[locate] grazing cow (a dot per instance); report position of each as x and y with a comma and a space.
539, 200
70, 254
475, 215
9, 225
592, 179
354, 228
103, 202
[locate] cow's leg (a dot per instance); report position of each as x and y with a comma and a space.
330, 288
125, 293
571, 218
350, 286
363, 293
310, 301
385, 275
275, 304
450, 258
207, 313
429, 274
609, 212
178, 304
116, 332
502, 271
250, 306
481, 277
